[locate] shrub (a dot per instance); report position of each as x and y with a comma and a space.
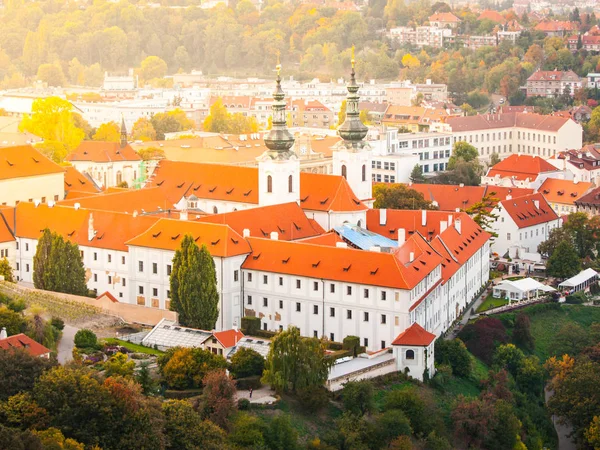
482, 337
85, 338
244, 384
577, 298
455, 354
595, 288
246, 363
58, 323
179, 395
331, 345
313, 399
243, 404
250, 325
413, 406
357, 397
351, 343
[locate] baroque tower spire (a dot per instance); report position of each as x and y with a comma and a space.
279, 141
353, 131
123, 132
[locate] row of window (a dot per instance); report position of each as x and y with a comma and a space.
436, 154
386, 178
4, 253
141, 266
386, 165
43, 200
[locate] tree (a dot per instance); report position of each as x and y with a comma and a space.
342, 113
296, 363
152, 67
592, 434
481, 212
357, 397
220, 120
193, 283
494, 159
6, 270
52, 74
185, 429
248, 431
52, 119
571, 339
108, 132
85, 338
246, 363
169, 122
582, 230
183, 368
415, 408
399, 196
218, 393
522, 336
151, 153
13, 321
14, 439
281, 435
83, 125
143, 130
119, 364
555, 237
52, 438
391, 425
416, 176
19, 371
455, 354
472, 420
482, 337
462, 151
564, 261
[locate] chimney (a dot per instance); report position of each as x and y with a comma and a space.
401, 236
411, 256
450, 217
36, 203
375, 249
183, 215
443, 226
382, 216
537, 204
508, 197
77, 205
91, 231
341, 245
3, 333
274, 235
458, 225
423, 217
135, 213
246, 232
50, 203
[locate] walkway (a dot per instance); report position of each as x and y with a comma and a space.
466, 316
264, 396
66, 344
563, 431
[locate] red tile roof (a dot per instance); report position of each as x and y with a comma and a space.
506, 120
102, 152
126, 201
166, 234
591, 198
525, 213
327, 193
287, 220
521, 167
109, 296
228, 338
555, 25
415, 335
494, 16
76, 181
563, 191
25, 161
5, 231
330, 239
345, 264
444, 17
553, 75
21, 341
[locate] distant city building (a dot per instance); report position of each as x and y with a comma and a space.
444, 20
556, 28
120, 82
552, 83
520, 170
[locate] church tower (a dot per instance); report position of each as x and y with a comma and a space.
278, 167
123, 132
352, 156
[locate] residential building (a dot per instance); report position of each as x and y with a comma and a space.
22, 342
444, 20
120, 81
552, 83
589, 203
493, 16
522, 224
422, 36
27, 175
476, 42
584, 164
415, 118
525, 133
561, 195
593, 80
8, 243
556, 28
414, 351
590, 43
519, 170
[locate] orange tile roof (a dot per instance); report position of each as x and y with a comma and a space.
228, 338
71, 195
287, 220
25, 161
320, 192
415, 335
521, 167
109, 296
112, 229
524, 212
563, 191
330, 239
127, 201
506, 120
551, 75
76, 181
443, 17
449, 197
410, 220
5, 230
494, 16
166, 234
98, 151
21, 341
392, 270
555, 25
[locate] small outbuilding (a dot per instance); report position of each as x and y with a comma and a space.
413, 350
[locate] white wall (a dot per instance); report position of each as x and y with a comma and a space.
43, 188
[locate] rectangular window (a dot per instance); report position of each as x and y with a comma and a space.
366, 293
154, 292
249, 277
298, 308
298, 284
315, 286
366, 317
348, 314
315, 334
265, 302
26, 246
109, 258
154, 268
382, 345
95, 256
109, 279
315, 309
140, 266
26, 267
508, 236
280, 281
122, 260
280, 304
141, 290
331, 312
332, 337
348, 290
383, 319
265, 279
383, 295
95, 277
236, 276
366, 342
123, 281
249, 299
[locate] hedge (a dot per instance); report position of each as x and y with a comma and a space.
250, 325
179, 395
249, 382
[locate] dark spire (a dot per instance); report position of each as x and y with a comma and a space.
279, 141
123, 132
353, 131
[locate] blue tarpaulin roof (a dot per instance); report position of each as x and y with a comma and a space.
364, 239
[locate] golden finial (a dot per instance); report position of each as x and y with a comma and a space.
278, 66
353, 61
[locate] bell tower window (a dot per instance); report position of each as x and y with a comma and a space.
269, 183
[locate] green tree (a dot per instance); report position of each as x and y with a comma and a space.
494, 159
143, 130
85, 338
555, 237
108, 132
357, 397
571, 339
52, 119
152, 67
13, 321
390, 425
296, 363
41, 259
170, 122
399, 196
416, 176
455, 354
53, 438
52, 74
583, 231
144, 379
185, 429
19, 371
6, 270
481, 212
119, 364
193, 283
462, 151
280, 434
246, 363
564, 261
522, 336
415, 408
248, 431
183, 368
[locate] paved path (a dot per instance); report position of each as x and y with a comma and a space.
467, 315
66, 344
563, 431
264, 395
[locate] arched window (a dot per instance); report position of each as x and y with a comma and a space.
364, 172
119, 177
410, 354
344, 171
290, 184
215, 210
269, 183
359, 224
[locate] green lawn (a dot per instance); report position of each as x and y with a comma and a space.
133, 347
544, 325
491, 302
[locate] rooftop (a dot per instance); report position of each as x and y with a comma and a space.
169, 334
555, 190
98, 151
506, 120
529, 210
25, 161
415, 335
21, 341
521, 167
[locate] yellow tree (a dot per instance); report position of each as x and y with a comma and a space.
410, 61
52, 119
108, 132
143, 130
